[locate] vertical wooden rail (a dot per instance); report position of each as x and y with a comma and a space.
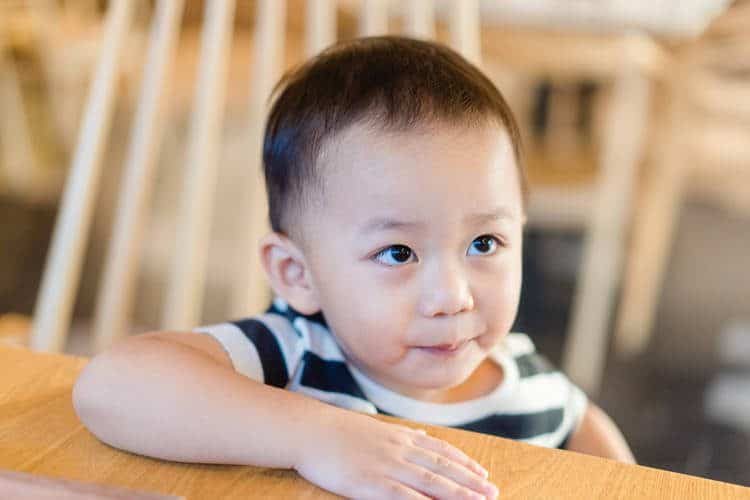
121, 267
18, 163
185, 291
65, 256
250, 292
465, 30
420, 19
320, 29
584, 356
63, 96
81, 8
373, 18
51, 14
653, 229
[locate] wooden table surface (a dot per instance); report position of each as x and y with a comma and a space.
40, 434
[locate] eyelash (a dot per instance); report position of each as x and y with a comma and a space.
497, 241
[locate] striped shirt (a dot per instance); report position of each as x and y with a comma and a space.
534, 403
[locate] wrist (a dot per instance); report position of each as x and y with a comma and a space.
309, 426
318, 431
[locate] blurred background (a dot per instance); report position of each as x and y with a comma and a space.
635, 117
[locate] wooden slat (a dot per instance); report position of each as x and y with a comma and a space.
585, 350
465, 31
50, 16
65, 256
373, 18
320, 29
121, 267
185, 290
18, 163
654, 227
82, 8
251, 293
717, 144
718, 96
571, 56
420, 18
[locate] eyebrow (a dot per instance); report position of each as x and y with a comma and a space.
385, 223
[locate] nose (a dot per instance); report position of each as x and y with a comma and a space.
446, 291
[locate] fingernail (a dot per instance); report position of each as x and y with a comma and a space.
484, 472
422, 431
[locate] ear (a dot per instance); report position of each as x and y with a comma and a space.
288, 272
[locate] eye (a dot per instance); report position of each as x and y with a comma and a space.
484, 245
394, 255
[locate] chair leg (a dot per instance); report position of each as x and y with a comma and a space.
117, 289
465, 30
420, 19
320, 26
17, 160
585, 350
62, 272
250, 293
653, 231
186, 284
373, 18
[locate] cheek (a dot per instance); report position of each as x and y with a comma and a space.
497, 295
367, 313
373, 342
377, 295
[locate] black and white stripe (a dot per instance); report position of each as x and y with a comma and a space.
535, 403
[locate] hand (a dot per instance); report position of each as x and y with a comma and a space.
358, 456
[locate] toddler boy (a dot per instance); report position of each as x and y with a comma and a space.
396, 200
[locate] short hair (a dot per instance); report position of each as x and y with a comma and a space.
394, 83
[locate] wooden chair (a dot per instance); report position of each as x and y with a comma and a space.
18, 164
625, 65
62, 273
703, 147
24, 172
625, 62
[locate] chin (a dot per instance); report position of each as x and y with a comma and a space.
443, 380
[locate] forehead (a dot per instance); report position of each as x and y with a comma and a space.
436, 172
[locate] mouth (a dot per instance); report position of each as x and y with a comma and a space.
445, 349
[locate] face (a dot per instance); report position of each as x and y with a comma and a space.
415, 251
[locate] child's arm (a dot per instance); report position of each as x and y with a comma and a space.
176, 396
598, 435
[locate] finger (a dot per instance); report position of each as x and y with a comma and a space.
441, 447
432, 484
393, 489
410, 429
446, 467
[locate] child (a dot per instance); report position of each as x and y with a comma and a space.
396, 200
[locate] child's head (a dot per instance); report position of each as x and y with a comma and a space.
396, 199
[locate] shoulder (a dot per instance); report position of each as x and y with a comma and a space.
523, 351
272, 346
543, 390
534, 368
266, 347
518, 344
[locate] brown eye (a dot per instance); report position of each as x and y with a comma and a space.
483, 245
394, 255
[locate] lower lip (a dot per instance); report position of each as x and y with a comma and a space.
442, 352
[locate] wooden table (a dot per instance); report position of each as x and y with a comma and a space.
40, 434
